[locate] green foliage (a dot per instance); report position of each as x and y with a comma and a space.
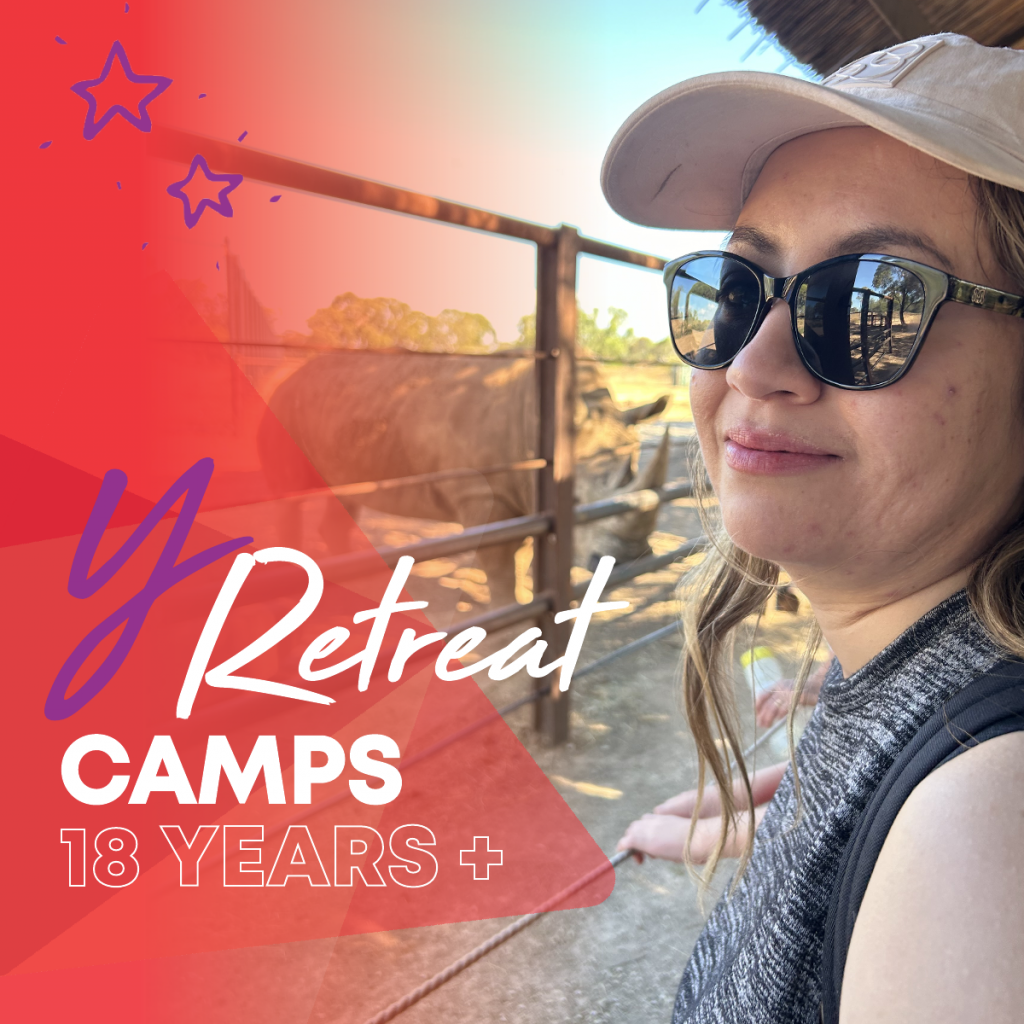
527, 332
906, 290
353, 322
613, 342
610, 343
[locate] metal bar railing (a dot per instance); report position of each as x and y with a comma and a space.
606, 251
174, 144
621, 652
278, 170
501, 531
341, 568
510, 614
391, 483
283, 349
651, 563
634, 501
469, 539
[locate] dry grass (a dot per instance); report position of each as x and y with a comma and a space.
634, 385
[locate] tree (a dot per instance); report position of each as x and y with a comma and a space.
354, 322
610, 343
905, 289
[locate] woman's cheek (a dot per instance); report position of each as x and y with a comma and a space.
707, 388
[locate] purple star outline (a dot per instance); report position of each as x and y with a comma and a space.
141, 121
223, 204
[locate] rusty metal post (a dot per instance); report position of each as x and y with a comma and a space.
556, 379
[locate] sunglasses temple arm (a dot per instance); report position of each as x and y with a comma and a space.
977, 295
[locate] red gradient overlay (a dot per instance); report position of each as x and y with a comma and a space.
108, 366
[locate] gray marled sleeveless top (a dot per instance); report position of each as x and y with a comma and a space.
758, 959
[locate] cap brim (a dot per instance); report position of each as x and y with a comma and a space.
688, 157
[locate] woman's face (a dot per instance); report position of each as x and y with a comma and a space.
887, 490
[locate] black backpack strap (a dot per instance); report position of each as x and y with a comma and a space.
992, 705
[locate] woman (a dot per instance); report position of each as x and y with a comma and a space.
862, 426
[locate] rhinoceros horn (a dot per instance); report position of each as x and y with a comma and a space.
625, 536
655, 473
645, 412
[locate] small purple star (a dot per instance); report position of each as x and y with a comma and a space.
222, 205
141, 121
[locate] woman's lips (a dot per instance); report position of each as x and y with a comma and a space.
767, 453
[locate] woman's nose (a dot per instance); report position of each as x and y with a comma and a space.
768, 365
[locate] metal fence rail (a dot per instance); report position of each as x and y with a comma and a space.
642, 566
503, 530
634, 501
181, 146
393, 483
471, 538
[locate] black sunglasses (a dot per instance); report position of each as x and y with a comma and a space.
858, 321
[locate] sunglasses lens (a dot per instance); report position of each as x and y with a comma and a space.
713, 303
857, 322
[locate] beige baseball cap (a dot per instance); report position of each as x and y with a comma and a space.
689, 156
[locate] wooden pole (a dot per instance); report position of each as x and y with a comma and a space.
556, 381
865, 296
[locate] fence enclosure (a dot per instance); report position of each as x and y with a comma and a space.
552, 523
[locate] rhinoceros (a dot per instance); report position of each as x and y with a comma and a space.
363, 415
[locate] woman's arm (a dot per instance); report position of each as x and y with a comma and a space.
763, 784
940, 934
663, 834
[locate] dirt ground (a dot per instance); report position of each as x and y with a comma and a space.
619, 962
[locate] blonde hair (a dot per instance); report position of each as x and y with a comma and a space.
731, 585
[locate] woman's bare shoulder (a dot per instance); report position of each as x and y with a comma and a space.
938, 937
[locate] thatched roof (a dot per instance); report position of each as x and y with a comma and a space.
826, 35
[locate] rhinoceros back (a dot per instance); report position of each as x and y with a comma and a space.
371, 415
